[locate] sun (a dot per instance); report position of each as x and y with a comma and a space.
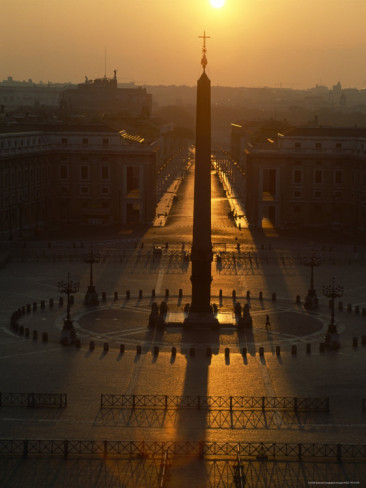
217, 3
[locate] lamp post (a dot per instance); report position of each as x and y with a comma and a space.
68, 287
91, 297
332, 291
311, 300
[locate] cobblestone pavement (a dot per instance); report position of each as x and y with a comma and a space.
268, 266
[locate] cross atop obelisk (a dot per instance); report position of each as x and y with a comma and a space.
204, 50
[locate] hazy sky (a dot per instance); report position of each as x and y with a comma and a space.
295, 43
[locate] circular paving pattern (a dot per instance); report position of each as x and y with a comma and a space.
290, 324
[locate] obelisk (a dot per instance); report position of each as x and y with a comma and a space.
201, 254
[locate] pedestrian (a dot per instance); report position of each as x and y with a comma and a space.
268, 323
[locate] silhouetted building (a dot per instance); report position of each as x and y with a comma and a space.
103, 97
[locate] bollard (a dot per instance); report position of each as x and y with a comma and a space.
227, 352
260, 295
294, 349
244, 351
174, 351
26, 332
156, 350
35, 335
308, 348
167, 292
42, 304
128, 294
180, 294
274, 296
340, 306
140, 293
220, 293
138, 349
208, 352
34, 305
104, 296
91, 345
355, 342
234, 293
153, 293
60, 301
349, 307
44, 337
278, 350
106, 347
321, 347
192, 351
122, 348
357, 309
248, 294
298, 300
261, 351
115, 295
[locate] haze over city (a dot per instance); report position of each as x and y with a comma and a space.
292, 43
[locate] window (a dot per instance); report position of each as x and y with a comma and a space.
64, 140
84, 190
84, 172
297, 194
64, 172
297, 176
338, 177
318, 176
105, 190
105, 173
337, 195
85, 140
317, 194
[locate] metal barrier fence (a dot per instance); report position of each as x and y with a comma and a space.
33, 399
221, 450
293, 404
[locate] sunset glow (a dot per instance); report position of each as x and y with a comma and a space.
64, 41
217, 3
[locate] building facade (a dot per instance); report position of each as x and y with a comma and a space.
308, 177
74, 174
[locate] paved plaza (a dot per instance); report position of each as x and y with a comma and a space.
252, 262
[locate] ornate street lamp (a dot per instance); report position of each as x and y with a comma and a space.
311, 300
68, 287
91, 297
332, 291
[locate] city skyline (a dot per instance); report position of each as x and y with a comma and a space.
293, 44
